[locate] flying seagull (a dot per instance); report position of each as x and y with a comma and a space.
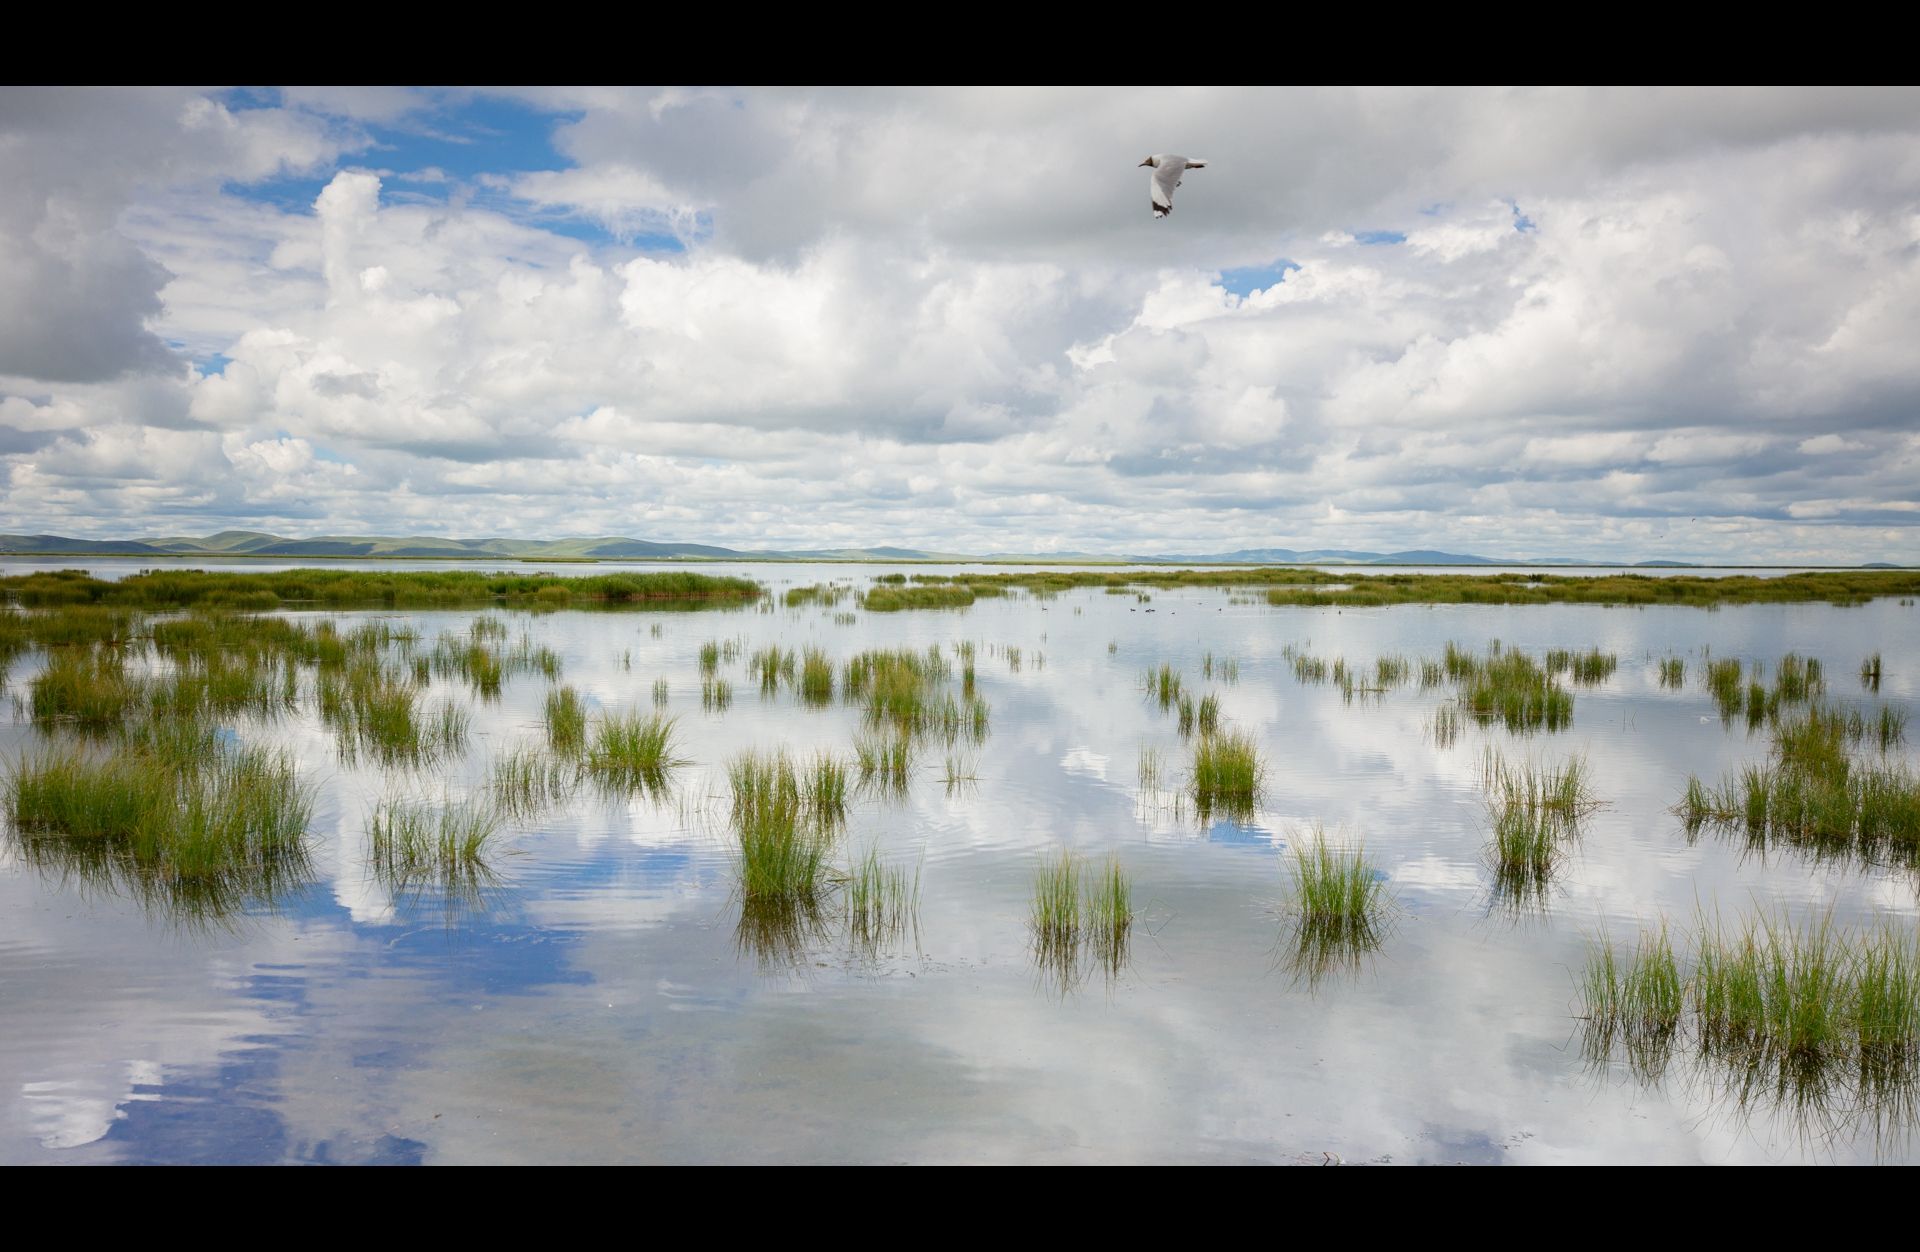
1167, 169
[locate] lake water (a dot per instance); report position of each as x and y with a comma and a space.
602, 1002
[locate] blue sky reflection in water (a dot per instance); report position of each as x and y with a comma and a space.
597, 1003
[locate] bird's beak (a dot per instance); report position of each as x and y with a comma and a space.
1148, 161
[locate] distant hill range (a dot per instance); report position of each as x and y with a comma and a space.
251, 543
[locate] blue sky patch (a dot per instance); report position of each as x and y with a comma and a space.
1246, 280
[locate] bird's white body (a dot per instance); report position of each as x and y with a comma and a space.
1166, 170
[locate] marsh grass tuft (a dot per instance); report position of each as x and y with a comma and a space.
783, 854
1798, 1002
1226, 775
1152, 770
1339, 903
528, 780
632, 751
197, 837
885, 759
1817, 791
882, 901
411, 839
566, 719
1535, 810
1076, 913
816, 678
1335, 890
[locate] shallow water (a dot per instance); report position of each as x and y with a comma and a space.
600, 1003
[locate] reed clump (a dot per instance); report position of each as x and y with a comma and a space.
527, 780
815, 791
1769, 992
412, 839
566, 721
632, 751
199, 834
816, 677
1513, 689
1226, 775
885, 759
1819, 791
882, 901
1535, 810
1339, 904
783, 856
1080, 914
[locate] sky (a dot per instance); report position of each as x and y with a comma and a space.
1605, 324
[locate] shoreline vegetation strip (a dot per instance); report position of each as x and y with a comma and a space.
1282, 586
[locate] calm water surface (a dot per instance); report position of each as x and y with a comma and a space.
602, 1004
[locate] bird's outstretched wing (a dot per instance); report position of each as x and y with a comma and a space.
1160, 184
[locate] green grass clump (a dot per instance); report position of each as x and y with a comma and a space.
816, 677
1339, 904
716, 695
1054, 914
882, 900
885, 759
824, 788
1797, 679
632, 751
198, 838
783, 857
1817, 792
824, 594
772, 665
90, 691
528, 780
816, 790
1226, 775
888, 679
1795, 1000
1870, 673
709, 658
1335, 891
1673, 672
1207, 717
377, 711
1591, 666
566, 720
1535, 809
894, 599
1306, 668
412, 839
1513, 689
1109, 914
1724, 680
1163, 685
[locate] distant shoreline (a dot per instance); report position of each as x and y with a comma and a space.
1065, 562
